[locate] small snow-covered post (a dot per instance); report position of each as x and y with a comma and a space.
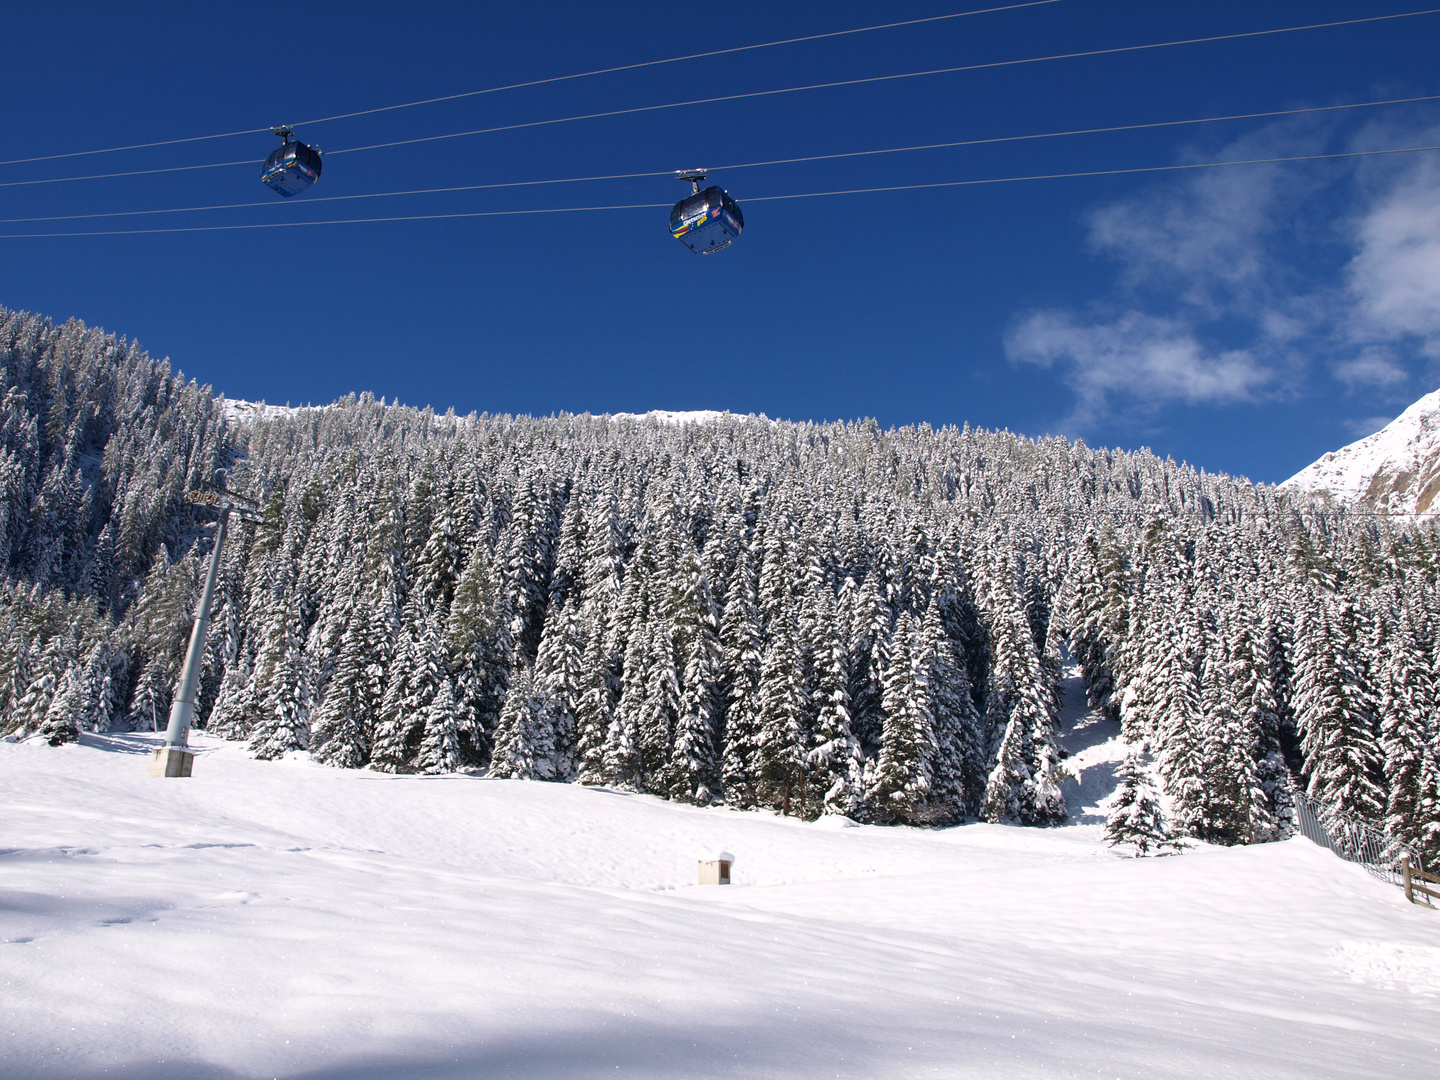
174, 759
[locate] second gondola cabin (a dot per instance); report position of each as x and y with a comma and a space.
707, 221
293, 167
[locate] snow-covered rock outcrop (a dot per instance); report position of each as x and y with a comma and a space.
1396, 469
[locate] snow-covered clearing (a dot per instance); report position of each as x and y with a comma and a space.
285, 919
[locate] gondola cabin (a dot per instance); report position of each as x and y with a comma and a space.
293, 167
706, 221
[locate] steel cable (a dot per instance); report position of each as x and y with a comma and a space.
768, 93
1185, 166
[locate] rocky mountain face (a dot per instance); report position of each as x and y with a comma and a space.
1396, 469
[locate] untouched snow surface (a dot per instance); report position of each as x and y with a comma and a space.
289, 920
669, 416
241, 411
1396, 469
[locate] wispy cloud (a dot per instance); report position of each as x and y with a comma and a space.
1136, 356
1375, 366
1366, 425
1394, 279
1231, 285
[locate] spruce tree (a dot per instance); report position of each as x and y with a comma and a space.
904, 775
521, 751
1342, 758
835, 763
1407, 707
780, 739
1135, 816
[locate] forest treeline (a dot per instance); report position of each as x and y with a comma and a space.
815, 618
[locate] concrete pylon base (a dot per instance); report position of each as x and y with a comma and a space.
171, 761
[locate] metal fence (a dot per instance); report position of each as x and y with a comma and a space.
1354, 841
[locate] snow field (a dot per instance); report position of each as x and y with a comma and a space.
286, 919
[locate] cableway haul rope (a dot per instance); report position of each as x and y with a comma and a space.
762, 93
743, 165
546, 81
760, 198
876, 79
705, 221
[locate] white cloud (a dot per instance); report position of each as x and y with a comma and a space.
1375, 366
1201, 239
1363, 426
1139, 356
1394, 279
1235, 283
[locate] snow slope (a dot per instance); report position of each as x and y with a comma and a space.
1395, 469
669, 416
241, 411
285, 919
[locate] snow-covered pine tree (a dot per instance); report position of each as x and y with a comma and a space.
480, 651
742, 648
397, 728
282, 722
1342, 758
595, 709
659, 711
958, 775
903, 784
524, 749
441, 742
1135, 816
620, 759
695, 760
781, 737
1216, 803
61, 723
560, 679
1408, 703
1023, 784
835, 764
340, 731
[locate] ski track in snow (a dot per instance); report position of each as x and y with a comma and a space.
282, 919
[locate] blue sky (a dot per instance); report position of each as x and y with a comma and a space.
1245, 319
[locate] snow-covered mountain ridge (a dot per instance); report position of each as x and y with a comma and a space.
1396, 469
242, 411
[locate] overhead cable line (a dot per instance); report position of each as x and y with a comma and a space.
1095, 172
749, 199
989, 65
690, 56
1269, 114
769, 93
546, 81
132, 172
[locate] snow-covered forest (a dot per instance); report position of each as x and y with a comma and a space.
815, 618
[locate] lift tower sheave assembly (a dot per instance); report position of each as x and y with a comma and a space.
174, 758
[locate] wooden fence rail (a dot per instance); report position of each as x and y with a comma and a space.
1411, 874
